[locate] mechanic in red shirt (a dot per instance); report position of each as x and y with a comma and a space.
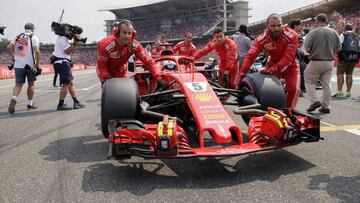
159, 45
186, 47
226, 49
280, 43
115, 51
157, 49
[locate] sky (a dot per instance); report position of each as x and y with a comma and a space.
15, 13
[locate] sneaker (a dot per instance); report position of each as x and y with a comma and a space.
63, 107
79, 105
338, 94
12, 104
324, 110
313, 106
30, 107
347, 94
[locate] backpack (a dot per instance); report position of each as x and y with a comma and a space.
349, 51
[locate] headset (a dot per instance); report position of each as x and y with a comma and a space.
117, 28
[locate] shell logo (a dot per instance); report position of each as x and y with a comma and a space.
203, 97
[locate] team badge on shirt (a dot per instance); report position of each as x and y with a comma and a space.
114, 55
269, 46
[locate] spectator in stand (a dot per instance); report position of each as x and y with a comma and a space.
243, 43
357, 31
348, 57
322, 43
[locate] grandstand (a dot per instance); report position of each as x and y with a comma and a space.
308, 13
175, 17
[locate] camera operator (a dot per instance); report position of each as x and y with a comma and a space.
63, 64
26, 54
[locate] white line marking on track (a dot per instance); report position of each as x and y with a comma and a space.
92, 86
353, 131
323, 122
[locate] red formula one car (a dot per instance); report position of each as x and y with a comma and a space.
190, 118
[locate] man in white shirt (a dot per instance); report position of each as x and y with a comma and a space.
26, 54
243, 43
63, 64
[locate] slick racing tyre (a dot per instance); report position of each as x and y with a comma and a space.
119, 100
267, 89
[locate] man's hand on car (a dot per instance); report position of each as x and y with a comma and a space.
268, 71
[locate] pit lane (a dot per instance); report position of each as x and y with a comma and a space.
49, 156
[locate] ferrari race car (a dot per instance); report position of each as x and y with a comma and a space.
190, 117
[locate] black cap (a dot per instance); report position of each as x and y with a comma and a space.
243, 29
348, 27
29, 26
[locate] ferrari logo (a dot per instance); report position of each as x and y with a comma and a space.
203, 97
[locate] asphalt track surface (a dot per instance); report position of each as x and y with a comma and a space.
50, 156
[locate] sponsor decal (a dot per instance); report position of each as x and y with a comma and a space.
203, 97
197, 86
115, 54
201, 107
216, 122
288, 34
214, 116
269, 46
211, 111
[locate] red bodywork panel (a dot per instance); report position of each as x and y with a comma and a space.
265, 132
207, 109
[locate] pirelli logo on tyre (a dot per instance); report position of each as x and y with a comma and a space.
214, 116
203, 97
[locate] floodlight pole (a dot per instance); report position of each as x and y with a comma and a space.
225, 20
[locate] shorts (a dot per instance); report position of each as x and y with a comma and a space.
21, 73
131, 67
345, 67
64, 70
